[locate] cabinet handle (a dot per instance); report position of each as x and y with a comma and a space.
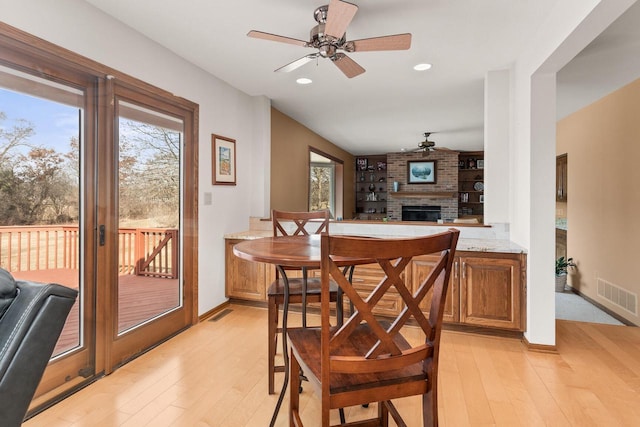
464, 267
455, 270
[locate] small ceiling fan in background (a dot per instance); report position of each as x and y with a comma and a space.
329, 38
427, 146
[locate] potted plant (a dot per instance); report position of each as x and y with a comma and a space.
562, 266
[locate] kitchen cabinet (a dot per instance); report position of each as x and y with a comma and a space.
492, 291
471, 185
486, 289
371, 187
245, 280
420, 267
561, 178
365, 278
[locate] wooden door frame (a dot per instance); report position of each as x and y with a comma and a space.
129, 90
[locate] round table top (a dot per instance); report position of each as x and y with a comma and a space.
287, 251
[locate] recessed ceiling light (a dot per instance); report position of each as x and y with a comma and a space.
304, 81
422, 67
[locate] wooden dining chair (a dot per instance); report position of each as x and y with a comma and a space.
368, 359
301, 289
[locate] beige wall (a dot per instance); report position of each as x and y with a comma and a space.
290, 143
603, 198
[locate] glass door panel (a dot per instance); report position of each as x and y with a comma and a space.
148, 215
42, 219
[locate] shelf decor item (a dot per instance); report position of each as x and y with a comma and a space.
361, 163
421, 172
224, 160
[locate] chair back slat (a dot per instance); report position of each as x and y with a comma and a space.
382, 348
304, 223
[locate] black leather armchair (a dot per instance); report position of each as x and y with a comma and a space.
32, 316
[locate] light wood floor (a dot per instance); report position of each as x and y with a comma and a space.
214, 374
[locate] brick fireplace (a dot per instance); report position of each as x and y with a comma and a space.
442, 193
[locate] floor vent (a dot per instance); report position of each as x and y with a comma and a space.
220, 315
618, 296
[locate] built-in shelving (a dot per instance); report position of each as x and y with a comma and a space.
471, 184
371, 187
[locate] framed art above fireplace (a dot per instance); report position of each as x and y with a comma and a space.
421, 172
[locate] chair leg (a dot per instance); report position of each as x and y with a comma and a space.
430, 408
273, 340
383, 414
294, 399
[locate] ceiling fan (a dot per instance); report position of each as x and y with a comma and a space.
329, 38
427, 146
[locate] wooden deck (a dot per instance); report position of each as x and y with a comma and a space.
141, 298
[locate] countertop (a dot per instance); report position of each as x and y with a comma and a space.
561, 224
464, 244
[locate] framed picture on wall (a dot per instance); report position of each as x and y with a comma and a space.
223, 153
421, 172
361, 163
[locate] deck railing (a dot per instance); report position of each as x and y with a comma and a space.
141, 251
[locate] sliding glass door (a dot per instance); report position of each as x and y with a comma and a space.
98, 182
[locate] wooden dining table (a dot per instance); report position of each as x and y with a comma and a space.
287, 251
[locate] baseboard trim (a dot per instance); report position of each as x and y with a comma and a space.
539, 348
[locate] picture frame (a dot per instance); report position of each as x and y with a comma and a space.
480, 164
361, 163
223, 153
421, 172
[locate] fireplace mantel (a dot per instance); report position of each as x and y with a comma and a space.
423, 194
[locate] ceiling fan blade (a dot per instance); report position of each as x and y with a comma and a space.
394, 42
339, 17
348, 66
445, 149
297, 63
276, 38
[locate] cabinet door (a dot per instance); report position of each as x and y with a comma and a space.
245, 279
561, 178
490, 292
365, 279
420, 268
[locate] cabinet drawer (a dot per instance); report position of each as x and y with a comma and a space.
365, 279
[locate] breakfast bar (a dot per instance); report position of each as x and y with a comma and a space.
488, 281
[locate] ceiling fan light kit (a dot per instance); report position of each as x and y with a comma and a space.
428, 146
329, 38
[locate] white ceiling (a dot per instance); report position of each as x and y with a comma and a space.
387, 108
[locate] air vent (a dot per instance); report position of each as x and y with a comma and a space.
618, 296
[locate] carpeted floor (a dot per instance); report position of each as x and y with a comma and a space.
570, 306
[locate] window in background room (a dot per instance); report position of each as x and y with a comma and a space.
325, 183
